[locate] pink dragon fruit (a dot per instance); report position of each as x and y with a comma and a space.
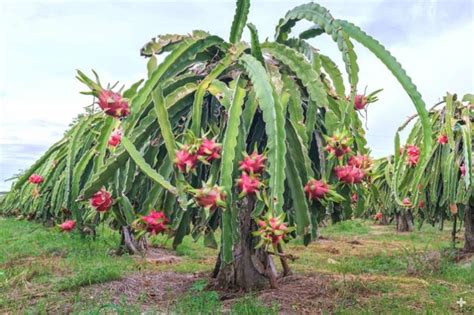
253, 163
316, 189
156, 222
349, 174
115, 138
185, 159
360, 101
209, 150
406, 202
248, 184
210, 198
101, 200
67, 225
35, 179
462, 168
413, 155
338, 144
442, 139
354, 198
272, 230
113, 104
361, 161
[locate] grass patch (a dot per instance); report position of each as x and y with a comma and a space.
42, 271
347, 228
32, 256
198, 301
250, 305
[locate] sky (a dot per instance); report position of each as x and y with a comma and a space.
42, 43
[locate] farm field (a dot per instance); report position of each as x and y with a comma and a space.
249, 159
355, 267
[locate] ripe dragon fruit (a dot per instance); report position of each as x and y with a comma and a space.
186, 160
338, 144
156, 222
101, 200
316, 189
406, 202
361, 161
413, 155
253, 163
210, 198
113, 104
248, 184
421, 204
354, 198
462, 168
442, 139
67, 225
35, 179
349, 174
115, 138
272, 230
209, 150
378, 216
360, 101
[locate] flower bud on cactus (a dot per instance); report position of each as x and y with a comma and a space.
115, 138
209, 150
316, 189
349, 174
35, 179
156, 222
67, 225
186, 160
210, 198
253, 163
113, 104
248, 184
442, 139
101, 200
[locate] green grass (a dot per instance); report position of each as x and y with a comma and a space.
44, 271
348, 228
31, 255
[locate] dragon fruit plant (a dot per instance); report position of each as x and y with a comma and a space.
443, 189
224, 135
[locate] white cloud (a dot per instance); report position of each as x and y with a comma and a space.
436, 64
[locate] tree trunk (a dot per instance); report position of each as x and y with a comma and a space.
469, 227
336, 215
129, 244
384, 220
251, 268
404, 221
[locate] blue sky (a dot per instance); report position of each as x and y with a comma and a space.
43, 42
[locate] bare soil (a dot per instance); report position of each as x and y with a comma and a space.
158, 290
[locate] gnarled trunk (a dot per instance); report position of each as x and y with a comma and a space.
404, 221
469, 227
252, 268
129, 244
